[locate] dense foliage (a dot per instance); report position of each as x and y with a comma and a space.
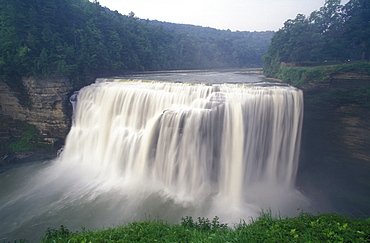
224, 48
299, 76
333, 33
304, 228
79, 38
350, 93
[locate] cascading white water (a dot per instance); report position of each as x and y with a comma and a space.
139, 150
193, 142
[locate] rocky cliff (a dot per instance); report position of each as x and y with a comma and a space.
47, 110
335, 155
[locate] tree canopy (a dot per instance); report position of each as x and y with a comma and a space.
333, 33
79, 38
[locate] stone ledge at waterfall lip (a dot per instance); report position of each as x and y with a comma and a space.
268, 84
262, 84
196, 76
250, 71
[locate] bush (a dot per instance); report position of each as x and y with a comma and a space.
303, 228
298, 76
360, 67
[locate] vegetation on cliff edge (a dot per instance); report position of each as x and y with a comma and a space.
355, 78
299, 76
18, 137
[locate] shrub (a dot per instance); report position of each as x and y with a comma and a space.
298, 76
303, 228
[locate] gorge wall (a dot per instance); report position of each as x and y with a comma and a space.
46, 110
335, 155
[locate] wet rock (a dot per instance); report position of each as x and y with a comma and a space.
48, 108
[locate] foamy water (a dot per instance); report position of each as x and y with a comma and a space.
140, 150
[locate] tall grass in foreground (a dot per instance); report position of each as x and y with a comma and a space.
303, 228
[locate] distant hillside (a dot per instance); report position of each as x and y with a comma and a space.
200, 30
78, 38
240, 48
187, 28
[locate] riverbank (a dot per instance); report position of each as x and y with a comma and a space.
313, 78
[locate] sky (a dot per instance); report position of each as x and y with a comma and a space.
242, 15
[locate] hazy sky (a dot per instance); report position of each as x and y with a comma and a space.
220, 14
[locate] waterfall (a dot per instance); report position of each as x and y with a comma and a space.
190, 143
146, 150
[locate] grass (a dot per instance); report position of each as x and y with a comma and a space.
303, 228
301, 75
306, 74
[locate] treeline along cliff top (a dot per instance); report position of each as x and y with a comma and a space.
79, 38
335, 33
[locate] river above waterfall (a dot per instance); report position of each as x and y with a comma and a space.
192, 124
199, 76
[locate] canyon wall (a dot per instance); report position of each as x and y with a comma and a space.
48, 105
335, 155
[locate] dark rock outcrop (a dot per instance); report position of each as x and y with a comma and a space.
44, 120
48, 108
335, 155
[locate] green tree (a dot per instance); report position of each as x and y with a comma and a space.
357, 26
334, 32
328, 25
80, 38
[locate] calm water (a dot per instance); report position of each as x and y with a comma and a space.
215, 77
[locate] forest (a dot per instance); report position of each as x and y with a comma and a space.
335, 33
79, 39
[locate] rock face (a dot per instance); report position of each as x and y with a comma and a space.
48, 109
335, 155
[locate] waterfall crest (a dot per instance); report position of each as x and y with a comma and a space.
189, 142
